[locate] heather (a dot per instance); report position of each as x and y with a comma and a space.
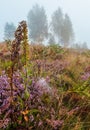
43, 87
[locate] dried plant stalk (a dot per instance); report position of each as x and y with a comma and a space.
25, 46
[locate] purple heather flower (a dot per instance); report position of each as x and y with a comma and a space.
85, 76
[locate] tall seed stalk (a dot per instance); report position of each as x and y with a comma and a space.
15, 50
26, 55
14, 58
21, 38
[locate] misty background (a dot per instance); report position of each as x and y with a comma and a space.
78, 11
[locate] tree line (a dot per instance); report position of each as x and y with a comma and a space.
58, 30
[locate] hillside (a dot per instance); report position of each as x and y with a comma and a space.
58, 90
43, 87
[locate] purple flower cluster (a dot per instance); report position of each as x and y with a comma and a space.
38, 89
5, 96
55, 123
36, 105
85, 76
4, 93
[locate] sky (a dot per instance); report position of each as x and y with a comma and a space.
78, 10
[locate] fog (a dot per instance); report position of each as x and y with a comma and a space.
78, 10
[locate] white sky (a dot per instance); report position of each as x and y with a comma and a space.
78, 10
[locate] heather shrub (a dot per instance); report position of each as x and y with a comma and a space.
37, 106
43, 87
40, 51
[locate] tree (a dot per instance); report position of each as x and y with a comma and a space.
57, 22
9, 31
51, 40
76, 46
37, 23
80, 46
67, 33
84, 46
